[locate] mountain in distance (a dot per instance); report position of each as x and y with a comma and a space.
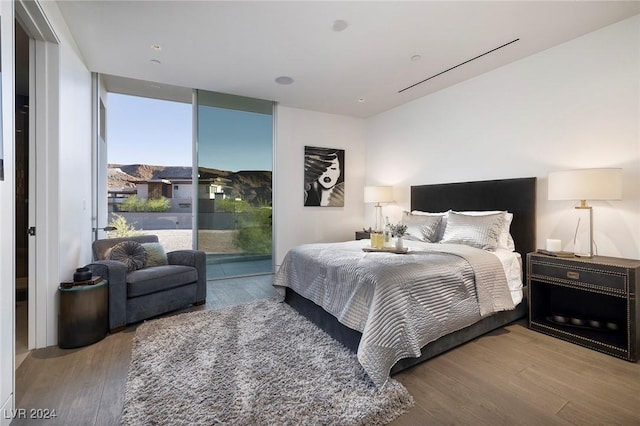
253, 186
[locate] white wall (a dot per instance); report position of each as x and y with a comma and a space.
71, 200
183, 192
576, 105
294, 223
7, 221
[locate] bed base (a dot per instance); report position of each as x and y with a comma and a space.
351, 338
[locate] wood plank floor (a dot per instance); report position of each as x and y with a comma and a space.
513, 376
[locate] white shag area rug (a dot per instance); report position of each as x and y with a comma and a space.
256, 364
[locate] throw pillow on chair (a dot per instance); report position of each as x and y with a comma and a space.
131, 253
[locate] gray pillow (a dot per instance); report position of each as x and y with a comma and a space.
156, 255
476, 231
441, 226
421, 227
131, 253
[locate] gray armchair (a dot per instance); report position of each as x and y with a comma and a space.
154, 290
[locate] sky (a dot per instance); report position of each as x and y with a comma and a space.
149, 131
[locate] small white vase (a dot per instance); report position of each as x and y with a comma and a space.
399, 245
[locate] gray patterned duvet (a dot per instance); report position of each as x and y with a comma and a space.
399, 302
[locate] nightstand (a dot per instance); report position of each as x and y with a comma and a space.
587, 301
362, 235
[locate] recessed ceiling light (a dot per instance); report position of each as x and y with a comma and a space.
284, 79
339, 25
156, 47
155, 62
416, 57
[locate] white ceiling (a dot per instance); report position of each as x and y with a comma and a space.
240, 47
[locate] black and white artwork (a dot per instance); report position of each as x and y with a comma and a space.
323, 177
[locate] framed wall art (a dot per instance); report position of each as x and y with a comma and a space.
323, 177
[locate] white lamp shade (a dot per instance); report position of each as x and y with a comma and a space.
378, 194
586, 184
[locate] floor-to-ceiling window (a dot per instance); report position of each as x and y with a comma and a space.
149, 188
234, 178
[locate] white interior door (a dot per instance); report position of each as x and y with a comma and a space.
31, 201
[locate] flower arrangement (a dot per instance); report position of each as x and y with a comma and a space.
397, 230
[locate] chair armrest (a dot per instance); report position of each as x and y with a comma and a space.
116, 273
197, 259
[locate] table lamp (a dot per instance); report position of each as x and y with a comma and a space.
583, 185
378, 194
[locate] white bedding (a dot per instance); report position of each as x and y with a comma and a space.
399, 302
512, 263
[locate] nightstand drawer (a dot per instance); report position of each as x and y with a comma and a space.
573, 273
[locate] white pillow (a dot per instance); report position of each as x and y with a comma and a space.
481, 231
505, 240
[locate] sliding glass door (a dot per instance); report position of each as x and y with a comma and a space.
234, 137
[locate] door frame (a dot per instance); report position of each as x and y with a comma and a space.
7, 215
43, 161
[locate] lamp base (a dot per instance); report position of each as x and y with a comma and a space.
379, 221
583, 237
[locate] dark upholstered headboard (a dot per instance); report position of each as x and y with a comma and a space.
517, 196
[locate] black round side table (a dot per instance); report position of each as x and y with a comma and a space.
83, 315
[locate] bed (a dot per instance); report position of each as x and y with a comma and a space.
516, 196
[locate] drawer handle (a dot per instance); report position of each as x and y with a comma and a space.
573, 275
